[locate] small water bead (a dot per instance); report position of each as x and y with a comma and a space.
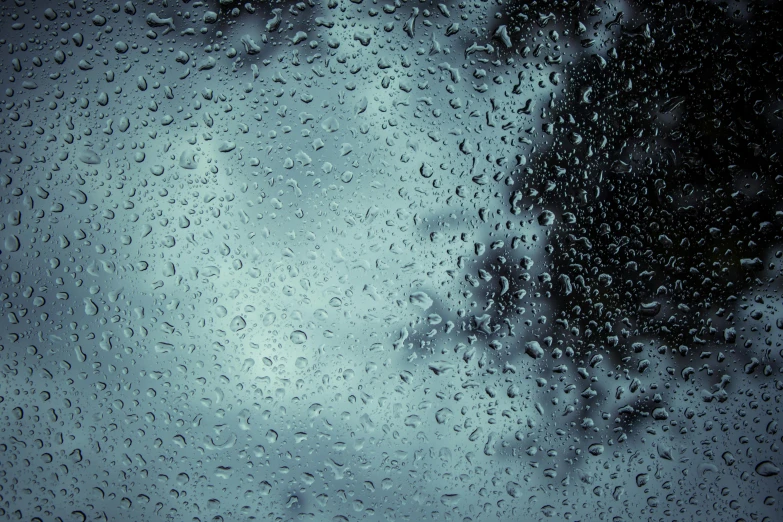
298, 337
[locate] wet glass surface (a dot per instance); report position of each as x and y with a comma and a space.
341, 260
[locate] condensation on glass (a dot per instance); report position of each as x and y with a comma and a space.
342, 260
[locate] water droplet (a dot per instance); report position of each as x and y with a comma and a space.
298, 337
767, 469
238, 323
